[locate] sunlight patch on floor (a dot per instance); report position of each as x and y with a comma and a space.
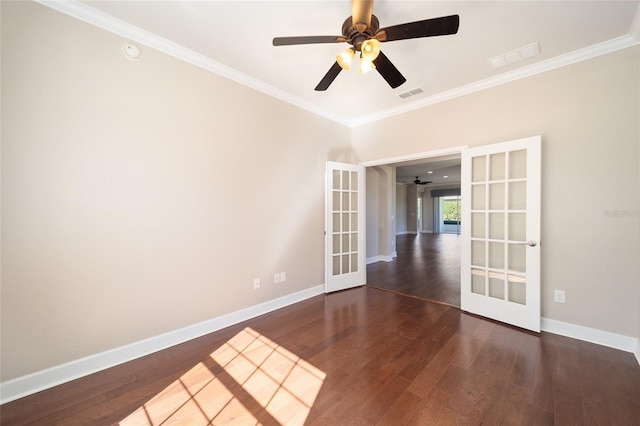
271, 382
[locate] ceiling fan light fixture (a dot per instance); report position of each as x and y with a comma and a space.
362, 31
345, 58
366, 66
370, 49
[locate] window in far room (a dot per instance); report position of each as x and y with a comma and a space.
450, 214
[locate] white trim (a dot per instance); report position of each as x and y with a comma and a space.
507, 77
45, 379
376, 259
109, 23
637, 353
426, 231
456, 150
592, 335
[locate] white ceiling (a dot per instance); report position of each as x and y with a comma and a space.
439, 171
233, 38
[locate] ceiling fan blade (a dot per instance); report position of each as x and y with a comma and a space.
361, 11
388, 71
444, 25
329, 77
288, 41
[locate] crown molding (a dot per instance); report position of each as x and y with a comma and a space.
109, 23
517, 74
85, 13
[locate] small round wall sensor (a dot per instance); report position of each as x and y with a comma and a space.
131, 51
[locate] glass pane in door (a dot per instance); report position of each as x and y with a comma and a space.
498, 225
344, 217
497, 166
518, 164
478, 169
344, 231
518, 292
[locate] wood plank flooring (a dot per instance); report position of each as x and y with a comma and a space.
358, 357
427, 267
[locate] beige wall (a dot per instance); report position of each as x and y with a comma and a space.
381, 231
142, 197
412, 208
373, 212
587, 114
401, 209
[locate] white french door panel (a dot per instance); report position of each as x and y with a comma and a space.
500, 260
345, 248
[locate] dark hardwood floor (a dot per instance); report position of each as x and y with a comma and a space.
427, 267
357, 357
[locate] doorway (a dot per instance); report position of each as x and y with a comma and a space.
421, 261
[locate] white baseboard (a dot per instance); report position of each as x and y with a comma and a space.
604, 338
375, 259
426, 231
45, 379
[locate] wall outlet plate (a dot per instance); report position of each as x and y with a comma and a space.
256, 283
559, 296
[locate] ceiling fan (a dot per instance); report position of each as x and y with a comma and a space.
419, 182
362, 31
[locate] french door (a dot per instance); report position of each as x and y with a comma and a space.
344, 226
500, 277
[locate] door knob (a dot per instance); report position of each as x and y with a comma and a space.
530, 243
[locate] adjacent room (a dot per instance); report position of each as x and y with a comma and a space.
320, 212
426, 249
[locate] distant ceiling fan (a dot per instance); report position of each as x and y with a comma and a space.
419, 182
361, 30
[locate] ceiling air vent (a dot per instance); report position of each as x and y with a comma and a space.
515, 55
411, 92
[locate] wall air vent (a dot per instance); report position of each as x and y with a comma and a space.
411, 92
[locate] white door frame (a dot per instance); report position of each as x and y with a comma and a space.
456, 150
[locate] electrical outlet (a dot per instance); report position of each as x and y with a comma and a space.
558, 296
256, 283
276, 278
283, 277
